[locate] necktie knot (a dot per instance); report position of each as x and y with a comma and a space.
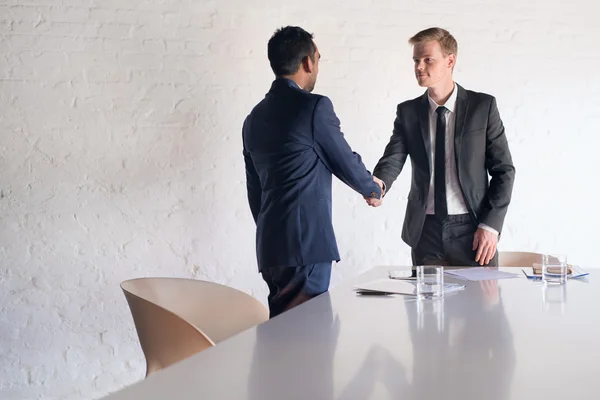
441, 110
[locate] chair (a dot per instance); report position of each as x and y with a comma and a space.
518, 259
176, 318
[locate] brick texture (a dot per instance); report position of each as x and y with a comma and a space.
120, 151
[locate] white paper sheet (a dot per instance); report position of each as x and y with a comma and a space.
480, 274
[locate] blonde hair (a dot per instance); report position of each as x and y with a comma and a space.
443, 37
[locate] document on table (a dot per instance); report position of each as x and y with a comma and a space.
389, 286
574, 272
480, 274
392, 286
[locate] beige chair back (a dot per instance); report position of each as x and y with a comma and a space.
518, 259
176, 318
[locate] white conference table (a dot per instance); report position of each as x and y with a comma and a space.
505, 339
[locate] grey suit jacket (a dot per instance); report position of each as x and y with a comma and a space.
480, 148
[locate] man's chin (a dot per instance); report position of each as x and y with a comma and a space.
422, 83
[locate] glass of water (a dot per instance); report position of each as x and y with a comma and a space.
554, 269
430, 281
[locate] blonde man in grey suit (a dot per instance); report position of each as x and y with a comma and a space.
456, 143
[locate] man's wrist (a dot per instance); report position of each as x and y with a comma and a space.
488, 228
382, 184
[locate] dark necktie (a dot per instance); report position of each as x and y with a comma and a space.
439, 184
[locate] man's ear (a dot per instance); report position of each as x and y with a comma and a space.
307, 64
451, 60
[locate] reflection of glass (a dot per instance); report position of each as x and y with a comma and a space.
427, 310
554, 269
555, 298
430, 281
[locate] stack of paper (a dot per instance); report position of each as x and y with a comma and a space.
574, 272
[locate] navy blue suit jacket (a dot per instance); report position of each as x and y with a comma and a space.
292, 146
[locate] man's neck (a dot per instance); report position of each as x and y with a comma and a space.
442, 92
297, 79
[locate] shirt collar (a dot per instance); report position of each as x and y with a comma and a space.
450, 104
292, 83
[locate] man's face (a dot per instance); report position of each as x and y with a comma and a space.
431, 66
314, 70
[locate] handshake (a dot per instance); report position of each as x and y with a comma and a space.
376, 202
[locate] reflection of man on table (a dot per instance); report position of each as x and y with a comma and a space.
279, 364
471, 355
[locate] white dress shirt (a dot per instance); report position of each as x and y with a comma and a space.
454, 198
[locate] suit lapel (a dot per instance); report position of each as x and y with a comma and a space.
462, 108
424, 124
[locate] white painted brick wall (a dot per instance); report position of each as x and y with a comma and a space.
120, 151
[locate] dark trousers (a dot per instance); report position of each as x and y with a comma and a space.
292, 286
448, 242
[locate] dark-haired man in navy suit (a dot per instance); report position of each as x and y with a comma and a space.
292, 146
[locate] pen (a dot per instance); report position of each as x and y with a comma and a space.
373, 293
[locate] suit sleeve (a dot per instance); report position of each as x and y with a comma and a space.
336, 154
498, 162
252, 181
394, 156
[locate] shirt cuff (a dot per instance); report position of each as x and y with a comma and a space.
488, 228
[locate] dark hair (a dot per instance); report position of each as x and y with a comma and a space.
287, 48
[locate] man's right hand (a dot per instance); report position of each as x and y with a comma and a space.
376, 202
